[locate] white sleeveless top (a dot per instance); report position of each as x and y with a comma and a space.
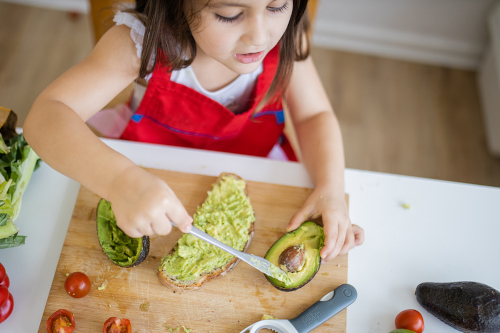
235, 96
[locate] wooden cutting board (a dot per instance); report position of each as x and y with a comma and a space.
225, 304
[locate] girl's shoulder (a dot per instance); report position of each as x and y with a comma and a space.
116, 50
137, 32
137, 28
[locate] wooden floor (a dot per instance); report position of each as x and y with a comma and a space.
396, 116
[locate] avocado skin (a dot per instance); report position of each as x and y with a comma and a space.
465, 306
144, 249
143, 255
298, 287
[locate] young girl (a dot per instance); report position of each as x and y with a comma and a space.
216, 73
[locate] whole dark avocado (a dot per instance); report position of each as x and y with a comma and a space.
121, 249
465, 306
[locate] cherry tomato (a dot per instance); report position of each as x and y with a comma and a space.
4, 294
61, 321
6, 308
77, 285
5, 282
116, 325
411, 320
3, 274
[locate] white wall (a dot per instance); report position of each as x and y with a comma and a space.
444, 32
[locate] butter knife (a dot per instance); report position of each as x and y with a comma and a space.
255, 261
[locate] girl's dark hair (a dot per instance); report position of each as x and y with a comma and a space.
168, 30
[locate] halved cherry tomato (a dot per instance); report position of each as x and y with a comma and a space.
116, 325
61, 321
5, 282
6, 308
411, 320
77, 284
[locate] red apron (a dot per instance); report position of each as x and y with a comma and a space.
176, 115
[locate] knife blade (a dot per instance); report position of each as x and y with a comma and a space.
257, 262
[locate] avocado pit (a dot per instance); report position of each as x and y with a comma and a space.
293, 258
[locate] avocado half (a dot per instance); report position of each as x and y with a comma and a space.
297, 253
121, 249
465, 306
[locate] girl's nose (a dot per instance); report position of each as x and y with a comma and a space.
256, 33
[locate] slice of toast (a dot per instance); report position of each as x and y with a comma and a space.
178, 285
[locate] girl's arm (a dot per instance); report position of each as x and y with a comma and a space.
320, 142
56, 129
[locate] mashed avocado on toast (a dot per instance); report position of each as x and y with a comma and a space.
227, 216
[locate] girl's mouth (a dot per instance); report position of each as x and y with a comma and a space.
249, 58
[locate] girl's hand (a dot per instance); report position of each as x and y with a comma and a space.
144, 204
340, 235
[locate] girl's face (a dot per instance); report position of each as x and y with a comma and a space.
239, 33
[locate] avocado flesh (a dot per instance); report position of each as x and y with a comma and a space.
121, 249
465, 306
225, 215
312, 237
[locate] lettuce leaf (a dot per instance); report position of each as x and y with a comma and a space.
17, 163
3, 146
12, 241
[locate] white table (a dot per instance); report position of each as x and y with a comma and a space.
449, 233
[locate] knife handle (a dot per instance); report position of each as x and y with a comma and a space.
322, 310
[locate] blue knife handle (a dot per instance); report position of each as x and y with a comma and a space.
321, 311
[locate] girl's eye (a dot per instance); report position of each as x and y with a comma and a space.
232, 19
279, 9
224, 19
